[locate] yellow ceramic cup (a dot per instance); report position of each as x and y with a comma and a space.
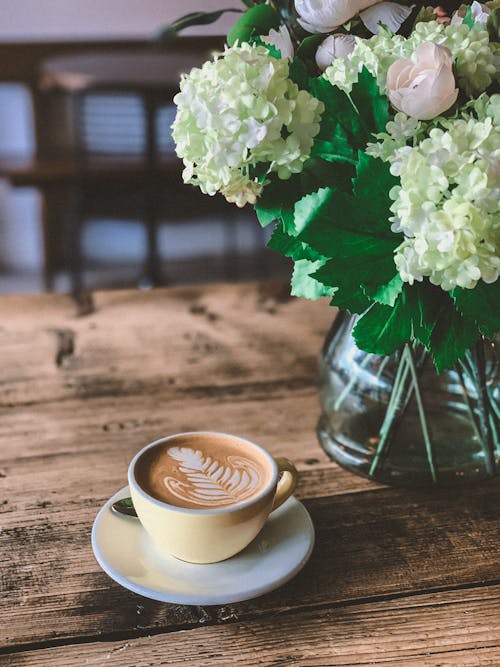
211, 535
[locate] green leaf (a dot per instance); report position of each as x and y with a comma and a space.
290, 246
188, 20
298, 73
341, 133
302, 282
348, 121
382, 329
452, 336
339, 225
267, 212
341, 275
279, 196
385, 294
355, 303
425, 301
372, 185
318, 173
481, 304
351, 233
273, 201
336, 149
355, 235
371, 104
468, 19
358, 278
308, 47
257, 20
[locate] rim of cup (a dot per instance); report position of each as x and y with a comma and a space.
193, 510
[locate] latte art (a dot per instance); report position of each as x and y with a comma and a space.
208, 482
203, 471
204, 496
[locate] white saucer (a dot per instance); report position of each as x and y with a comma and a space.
128, 555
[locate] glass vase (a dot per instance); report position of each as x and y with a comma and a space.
396, 420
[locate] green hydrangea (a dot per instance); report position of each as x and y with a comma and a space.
240, 117
398, 132
447, 205
472, 53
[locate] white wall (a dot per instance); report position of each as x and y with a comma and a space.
82, 19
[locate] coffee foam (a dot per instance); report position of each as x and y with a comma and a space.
203, 471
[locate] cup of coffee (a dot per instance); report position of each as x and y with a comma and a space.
204, 496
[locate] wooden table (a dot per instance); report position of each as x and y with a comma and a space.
398, 577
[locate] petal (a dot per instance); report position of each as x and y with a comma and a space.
406, 76
396, 99
334, 46
394, 72
390, 14
429, 55
319, 16
443, 82
426, 55
480, 13
281, 40
315, 28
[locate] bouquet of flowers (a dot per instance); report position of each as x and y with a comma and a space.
368, 133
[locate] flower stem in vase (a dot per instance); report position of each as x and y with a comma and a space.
396, 409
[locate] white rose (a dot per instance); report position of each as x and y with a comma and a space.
281, 40
319, 16
390, 14
334, 46
479, 13
424, 87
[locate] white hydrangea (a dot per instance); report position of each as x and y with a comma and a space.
483, 107
398, 132
376, 54
238, 112
472, 53
447, 205
391, 145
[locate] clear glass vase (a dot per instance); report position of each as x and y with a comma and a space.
396, 420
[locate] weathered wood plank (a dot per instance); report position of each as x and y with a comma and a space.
170, 341
46, 450
374, 544
81, 389
448, 629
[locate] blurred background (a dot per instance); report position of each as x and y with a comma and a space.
91, 194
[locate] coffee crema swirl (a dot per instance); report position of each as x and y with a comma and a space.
210, 482
205, 473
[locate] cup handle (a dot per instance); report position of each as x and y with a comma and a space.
287, 483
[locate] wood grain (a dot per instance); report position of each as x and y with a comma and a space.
451, 629
370, 544
397, 577
196, 341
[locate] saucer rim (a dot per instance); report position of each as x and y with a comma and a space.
187, 599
